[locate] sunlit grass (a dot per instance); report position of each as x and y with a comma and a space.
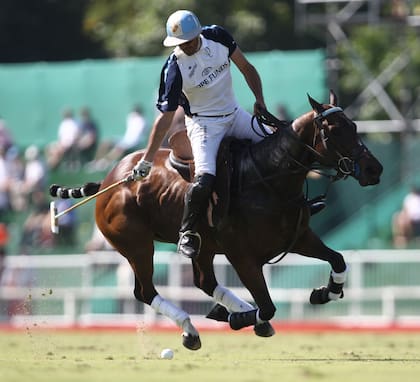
35, 355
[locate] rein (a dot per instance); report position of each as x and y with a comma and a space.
282, 255
268, 119
345, 165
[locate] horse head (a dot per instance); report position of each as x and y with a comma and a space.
339, 145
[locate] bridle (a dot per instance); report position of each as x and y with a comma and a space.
347, 164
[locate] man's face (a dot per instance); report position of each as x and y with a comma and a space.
190, 47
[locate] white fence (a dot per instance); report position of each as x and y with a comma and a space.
92, 289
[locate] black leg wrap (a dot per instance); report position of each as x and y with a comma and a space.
91, 188
320, 295
53, 190
219, 313
239, 320
335, 287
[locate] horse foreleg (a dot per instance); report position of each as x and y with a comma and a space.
227, 302
312, 246
333, 291
253, 279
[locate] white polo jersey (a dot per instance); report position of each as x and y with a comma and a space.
201, 83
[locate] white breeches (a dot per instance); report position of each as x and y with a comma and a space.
206, 133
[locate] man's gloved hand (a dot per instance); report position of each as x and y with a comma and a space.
141, 169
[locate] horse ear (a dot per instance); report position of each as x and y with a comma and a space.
333, 98
316, 106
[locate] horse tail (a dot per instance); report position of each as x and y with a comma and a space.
87, 189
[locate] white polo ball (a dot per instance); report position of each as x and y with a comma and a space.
167, 354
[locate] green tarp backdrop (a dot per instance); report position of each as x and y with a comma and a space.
33, 96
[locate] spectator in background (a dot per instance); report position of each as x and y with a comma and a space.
15, 170
35, 172
406, 222
36, 232
26, 177
67, 224
109, 152
4, 239
4, 186
64, 150
97, 242
5, 137
89, 136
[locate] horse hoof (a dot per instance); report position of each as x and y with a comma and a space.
191, 342
264, 330
319, 296
219, 313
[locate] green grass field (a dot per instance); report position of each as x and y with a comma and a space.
35, 355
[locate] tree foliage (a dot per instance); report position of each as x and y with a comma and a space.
57, 30
137, 27
373, 50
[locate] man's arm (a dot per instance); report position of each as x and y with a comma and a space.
159, 129
251, 76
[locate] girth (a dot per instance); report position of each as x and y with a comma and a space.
181, 159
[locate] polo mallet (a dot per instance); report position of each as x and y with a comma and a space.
53, 209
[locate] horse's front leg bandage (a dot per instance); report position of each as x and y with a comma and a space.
335, 285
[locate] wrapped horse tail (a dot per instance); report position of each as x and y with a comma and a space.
87, 189
89, 192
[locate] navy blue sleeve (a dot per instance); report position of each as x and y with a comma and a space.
170, 88
221, 35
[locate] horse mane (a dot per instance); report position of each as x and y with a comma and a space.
274, 155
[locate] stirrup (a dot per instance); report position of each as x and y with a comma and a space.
317, 204
189, 234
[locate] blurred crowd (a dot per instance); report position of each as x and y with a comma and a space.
25, 175
406, 221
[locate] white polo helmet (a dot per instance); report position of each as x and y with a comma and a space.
182, 26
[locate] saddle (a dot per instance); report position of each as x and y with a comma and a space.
181, 158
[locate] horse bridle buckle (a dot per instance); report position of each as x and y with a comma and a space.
345, 166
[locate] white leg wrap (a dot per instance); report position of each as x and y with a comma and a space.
169, 310
339, 278
333, 296
229, 300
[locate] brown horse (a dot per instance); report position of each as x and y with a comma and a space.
268, 214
